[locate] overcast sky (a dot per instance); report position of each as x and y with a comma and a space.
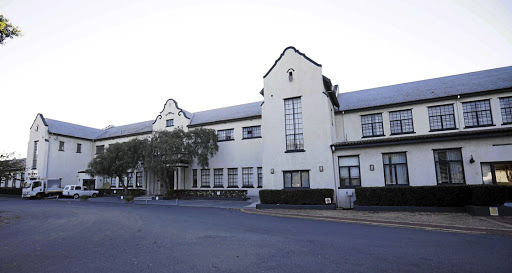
101, 62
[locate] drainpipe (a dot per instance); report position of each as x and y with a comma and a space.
333, 149
457, 109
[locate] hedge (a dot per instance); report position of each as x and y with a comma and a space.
12, 191
296, 196
133, 192
433, 196
208, 193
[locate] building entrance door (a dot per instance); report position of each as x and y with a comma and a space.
90, 183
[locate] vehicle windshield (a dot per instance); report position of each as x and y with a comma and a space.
27, 184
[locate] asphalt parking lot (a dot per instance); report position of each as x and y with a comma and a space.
74, 236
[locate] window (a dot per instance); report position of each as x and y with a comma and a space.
106, 180
260, 177
218, 178
34, 156
395, 169
138, 180
169, 123
477, 113
61, 145
130, 179
224, 135
247, 178
77, 188
296, 179
22, 178
349, 171
233, 178
78, 148
251, 132
441, 117
401, 122
205, 178
449, 167
506, 110
372, 125
497, 173
113, 182
293, 124
100, 149
194, 178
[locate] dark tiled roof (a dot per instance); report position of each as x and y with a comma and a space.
79, 131
226, 113
130, 129
486, 80
73, 130
455, 135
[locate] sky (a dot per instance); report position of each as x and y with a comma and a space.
102, 62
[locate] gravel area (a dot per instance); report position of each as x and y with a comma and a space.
452, 219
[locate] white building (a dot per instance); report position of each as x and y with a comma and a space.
304, 134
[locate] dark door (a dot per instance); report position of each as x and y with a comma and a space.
90, 183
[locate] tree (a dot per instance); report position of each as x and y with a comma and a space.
168, 150
118, 159
7, 30
10, 165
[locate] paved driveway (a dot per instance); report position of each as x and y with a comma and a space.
59, 236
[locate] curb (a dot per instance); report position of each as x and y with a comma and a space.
434, 227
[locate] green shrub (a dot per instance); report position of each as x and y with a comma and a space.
129, 198
119, 192
296, 196
208, 193
432, 196
13, 191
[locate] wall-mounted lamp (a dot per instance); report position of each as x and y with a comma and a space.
321, 168
471, 160
272, 171
372, 167
290, 74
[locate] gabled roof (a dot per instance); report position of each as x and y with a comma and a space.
474, 82
73, 130
296, 51
129, 129
226, 114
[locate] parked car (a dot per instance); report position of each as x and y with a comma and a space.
76, 191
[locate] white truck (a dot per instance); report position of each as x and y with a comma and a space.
40, 188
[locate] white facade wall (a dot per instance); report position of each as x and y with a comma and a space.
316, 120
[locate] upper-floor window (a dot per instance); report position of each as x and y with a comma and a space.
78, 148
224, 135
477, 113
449, 168
401, 122
372, 125
34, 156
395, 169
169, 123
100, 149
61, 145
293, 124
252, 132
441, 117
506, 110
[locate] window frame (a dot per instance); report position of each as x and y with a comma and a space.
260, 177
245, 136
493, 171
205, 178
247, 174
61, 146
35, 154
78, 148
393, 165
233, 177
218, 178
504, 109
100, 149
169, 123
225, 131
194, 178
301, 182
372, 124
449, 172
477, 113
349, 176
401, 120
441, 118
296, 124
138, 182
